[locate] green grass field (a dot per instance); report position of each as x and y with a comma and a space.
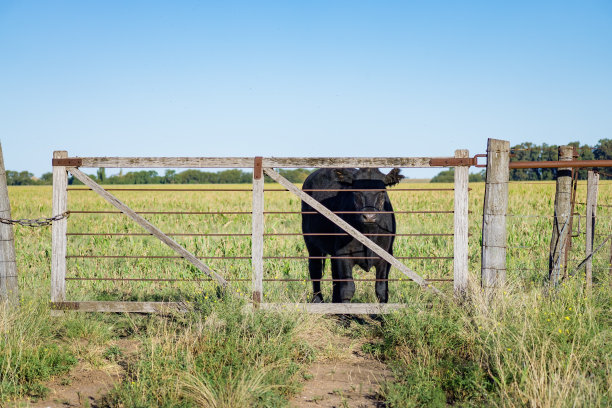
527, 347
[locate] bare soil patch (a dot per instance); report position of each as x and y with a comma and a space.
343, 376
85, 385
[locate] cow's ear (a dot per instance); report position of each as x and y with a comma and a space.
393, 177
344, 176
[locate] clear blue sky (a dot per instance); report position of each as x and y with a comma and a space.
301, 78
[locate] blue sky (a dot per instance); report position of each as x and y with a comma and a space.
315, 78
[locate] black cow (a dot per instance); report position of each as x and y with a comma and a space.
373, 199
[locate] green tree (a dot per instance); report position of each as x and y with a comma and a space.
47, 178
101, 174
477, 177
603, 151
448, 176
22, 178
445, 176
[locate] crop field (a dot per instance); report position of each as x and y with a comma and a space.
531, 347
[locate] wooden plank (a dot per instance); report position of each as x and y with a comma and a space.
350, 230
247, 162
257, 232
175, 162
493, 263
9, 287
121, 307
333, 162
460, 241
146, 225
58, 230
335, 308
560, 234
591, 218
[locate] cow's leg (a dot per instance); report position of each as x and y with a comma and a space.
382, 288
315, 269
342, 291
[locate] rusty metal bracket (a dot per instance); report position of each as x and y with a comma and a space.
64, 305
452, 161
476, 160
68, 162
258, 168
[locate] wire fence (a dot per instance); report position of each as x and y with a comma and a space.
236, 262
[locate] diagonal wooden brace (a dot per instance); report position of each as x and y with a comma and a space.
146, 225
351, 230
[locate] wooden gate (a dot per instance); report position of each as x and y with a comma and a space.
62, 164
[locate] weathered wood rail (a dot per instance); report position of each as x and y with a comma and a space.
494, 246
64, 164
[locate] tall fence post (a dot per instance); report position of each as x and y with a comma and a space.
460, 241
591, 218
493, 269
9, 287
58, 232
560, 235
257, 231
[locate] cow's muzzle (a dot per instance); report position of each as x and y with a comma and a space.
369, 216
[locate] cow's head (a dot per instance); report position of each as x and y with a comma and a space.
371, 184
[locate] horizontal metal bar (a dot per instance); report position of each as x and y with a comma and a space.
270, 234
69, 162
152, 257
452, 161
265, 212
164, 212
559, 164
77, 278
265, 189
248, 257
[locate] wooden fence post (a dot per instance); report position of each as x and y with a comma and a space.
460, 241
563, 197
257, 231
591, 218
9, 287
493, 269
58, 232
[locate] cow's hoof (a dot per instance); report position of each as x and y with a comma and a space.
318, 298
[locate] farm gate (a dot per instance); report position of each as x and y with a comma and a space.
64, 165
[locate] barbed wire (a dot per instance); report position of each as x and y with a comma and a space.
36, 222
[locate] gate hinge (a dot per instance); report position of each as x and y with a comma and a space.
68, 162
257, 168
452, 161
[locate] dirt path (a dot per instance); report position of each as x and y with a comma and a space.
85, 385
343, 376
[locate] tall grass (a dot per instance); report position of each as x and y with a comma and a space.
217, 357
519, 348
503, 352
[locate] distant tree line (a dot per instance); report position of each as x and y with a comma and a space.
531, 152
448, 176
233, 176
